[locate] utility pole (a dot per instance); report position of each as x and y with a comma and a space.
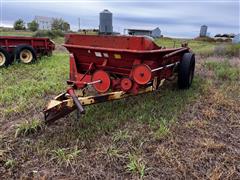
79, 24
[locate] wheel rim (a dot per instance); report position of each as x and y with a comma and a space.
26, 56
2, 59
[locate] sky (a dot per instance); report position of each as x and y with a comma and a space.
175, 18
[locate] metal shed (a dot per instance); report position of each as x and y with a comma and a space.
145, 32
236, 39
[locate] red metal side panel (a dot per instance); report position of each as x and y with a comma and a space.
115, 42
10, 42
116, 54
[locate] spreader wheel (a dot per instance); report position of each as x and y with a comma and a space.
4, 58
105, 81
186, 71
126, 84
26, 54
142, 74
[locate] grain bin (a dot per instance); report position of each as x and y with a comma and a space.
105, 22
203, 31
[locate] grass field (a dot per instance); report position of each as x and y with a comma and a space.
173, 134
14, 33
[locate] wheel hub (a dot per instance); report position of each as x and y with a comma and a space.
26, 56
105, 83
2, 59
126, 84
142, 74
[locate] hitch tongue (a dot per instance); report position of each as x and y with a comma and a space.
76, 101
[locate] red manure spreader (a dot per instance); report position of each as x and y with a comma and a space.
105, 68
23, 49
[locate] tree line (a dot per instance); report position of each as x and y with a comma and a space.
57, 24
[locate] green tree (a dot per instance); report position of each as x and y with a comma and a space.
60, 25
33, 26
57, 24
19, 25
66, 26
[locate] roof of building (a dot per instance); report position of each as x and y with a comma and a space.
143, 30
140, 30
106, 11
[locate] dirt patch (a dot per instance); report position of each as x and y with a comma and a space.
204, 142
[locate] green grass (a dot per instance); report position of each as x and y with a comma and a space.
65, 156
28, 127
203, 48
59, 40
26, 86
200, 47
16, 33
223, 70
163, 130
120, 135
136, 165
113, 152
10, 163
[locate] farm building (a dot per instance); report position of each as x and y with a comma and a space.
153, 33
45, 23
224, 37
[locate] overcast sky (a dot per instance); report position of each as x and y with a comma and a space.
174, 17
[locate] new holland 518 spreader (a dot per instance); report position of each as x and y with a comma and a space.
105, 68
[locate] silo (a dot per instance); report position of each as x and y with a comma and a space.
203, 31
105, 22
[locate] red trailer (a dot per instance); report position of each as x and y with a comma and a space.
24, 49
117, 67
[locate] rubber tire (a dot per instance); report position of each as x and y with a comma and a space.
7, 56
186, 71
20, 48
